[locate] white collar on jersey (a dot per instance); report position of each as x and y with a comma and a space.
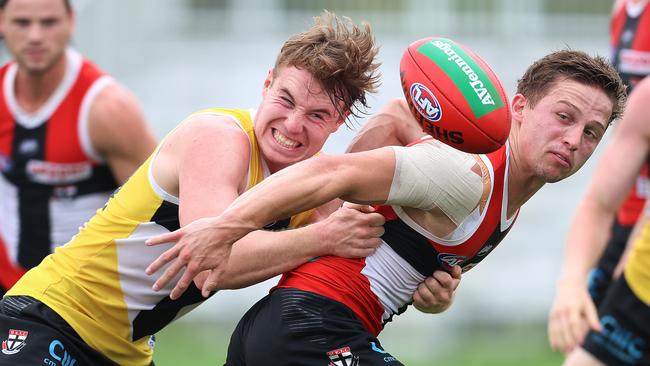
32, 120
635, 9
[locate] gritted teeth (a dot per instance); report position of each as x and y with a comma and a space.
284, 140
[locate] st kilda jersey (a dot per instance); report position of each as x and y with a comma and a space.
630, 41
52, 180
382, 285
630, 46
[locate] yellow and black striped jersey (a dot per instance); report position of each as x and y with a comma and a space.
97, 283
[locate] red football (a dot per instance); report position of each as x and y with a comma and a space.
455, 95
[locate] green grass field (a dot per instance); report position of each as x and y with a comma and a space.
200, 343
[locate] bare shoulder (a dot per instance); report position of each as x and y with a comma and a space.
114, 99
206, 126
207, 132
200, 143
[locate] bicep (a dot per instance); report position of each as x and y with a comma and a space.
432, 175
212, 168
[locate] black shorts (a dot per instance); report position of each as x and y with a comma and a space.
294, 327
600, 277
625, 338
33, 334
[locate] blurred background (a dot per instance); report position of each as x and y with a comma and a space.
179, 56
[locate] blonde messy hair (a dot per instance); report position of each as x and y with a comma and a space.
339, 55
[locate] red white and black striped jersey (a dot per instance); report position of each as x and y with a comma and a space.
382, 285
52, 179
630, 55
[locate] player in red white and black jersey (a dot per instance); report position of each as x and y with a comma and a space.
382, 285
630, 55
448, 208
69, 134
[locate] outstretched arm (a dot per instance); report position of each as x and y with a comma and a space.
360, 177
260, 255
573, 312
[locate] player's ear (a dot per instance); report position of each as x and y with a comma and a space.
340, 121
268, 81
517, 107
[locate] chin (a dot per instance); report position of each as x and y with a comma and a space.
553, 178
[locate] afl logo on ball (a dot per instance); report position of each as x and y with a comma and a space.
425, 103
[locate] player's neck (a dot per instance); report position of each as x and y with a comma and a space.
521, 184
32, 90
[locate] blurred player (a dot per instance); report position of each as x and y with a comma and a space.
630, 43
69, 134
446, 208
622, 335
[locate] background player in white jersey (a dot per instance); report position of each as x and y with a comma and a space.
447, 207
69, 135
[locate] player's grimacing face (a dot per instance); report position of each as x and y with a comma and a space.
36, 32
294, 119
563, 129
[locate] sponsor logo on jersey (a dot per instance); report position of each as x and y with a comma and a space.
15, 341
471, 80
46, 172
342, 357
620, 341
59, 355
28, 147
634, 62
425, 102
485, 250
451, 259
627, 36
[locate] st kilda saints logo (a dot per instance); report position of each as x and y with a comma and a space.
342, 357
14, 342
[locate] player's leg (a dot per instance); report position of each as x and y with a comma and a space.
625, 335
293, 327
33, 334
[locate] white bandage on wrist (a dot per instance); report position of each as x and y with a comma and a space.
432, 174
